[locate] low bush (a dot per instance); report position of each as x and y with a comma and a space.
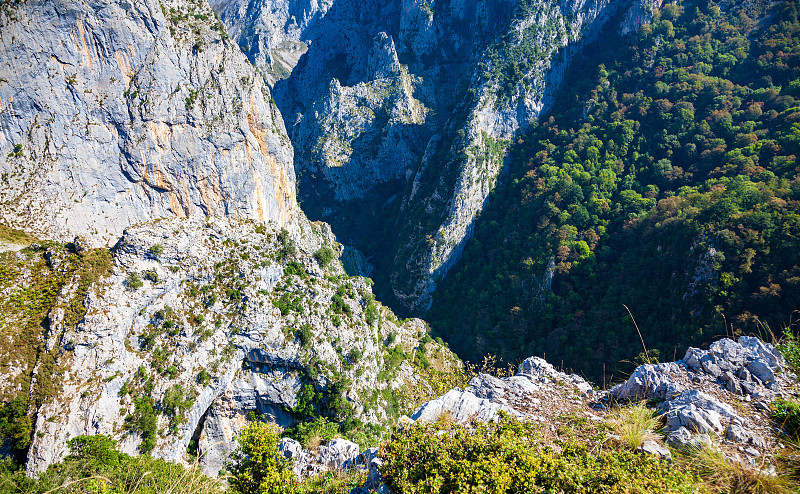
155, 250
787, 415
315, 432
134, 281
324, 256
256, 467
506, 457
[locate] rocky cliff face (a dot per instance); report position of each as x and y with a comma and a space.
116, 112
404, 109
273, 33
195, 324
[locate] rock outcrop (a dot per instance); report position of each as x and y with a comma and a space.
537, 392
114, 112
201, 322
710, 397
717, 395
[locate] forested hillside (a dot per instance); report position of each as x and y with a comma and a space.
664, 180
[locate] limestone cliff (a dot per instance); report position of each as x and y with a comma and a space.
272, 33
191, 326
113, 112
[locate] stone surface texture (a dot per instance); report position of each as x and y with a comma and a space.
123, 111
227, 316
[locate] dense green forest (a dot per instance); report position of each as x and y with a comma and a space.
664, 179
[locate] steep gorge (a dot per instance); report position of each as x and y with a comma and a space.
401, 113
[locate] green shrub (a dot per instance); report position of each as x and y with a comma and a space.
304, 334
314, 432
354, 355
289, 303
134, 280
94, 466
176, 400
203, 377
324, 256
338, 305
506, 457
143, 421
15, 424
155, 250
97, 450
295, 268
151, 275
787, 414
171, 371
256, 467
371, 312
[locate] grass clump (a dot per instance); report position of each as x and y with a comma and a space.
635, 425
790, 349
719, 474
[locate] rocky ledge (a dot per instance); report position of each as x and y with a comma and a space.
718, 397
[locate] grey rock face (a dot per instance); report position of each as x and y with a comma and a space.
202, 324
650, 381
737, 434
682, 438
761, 370
290, 448
461, 407
338, 452
698, 412
654, 448
273, 33
123, 112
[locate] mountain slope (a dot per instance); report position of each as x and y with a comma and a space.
172, 341
665, 182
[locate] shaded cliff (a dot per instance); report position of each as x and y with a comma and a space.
401, 112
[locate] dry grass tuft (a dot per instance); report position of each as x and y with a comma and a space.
635, 425
719, 474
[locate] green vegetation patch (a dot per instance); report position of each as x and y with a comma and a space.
32, 285
505, 457
12, 236
665, 178
95, 466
